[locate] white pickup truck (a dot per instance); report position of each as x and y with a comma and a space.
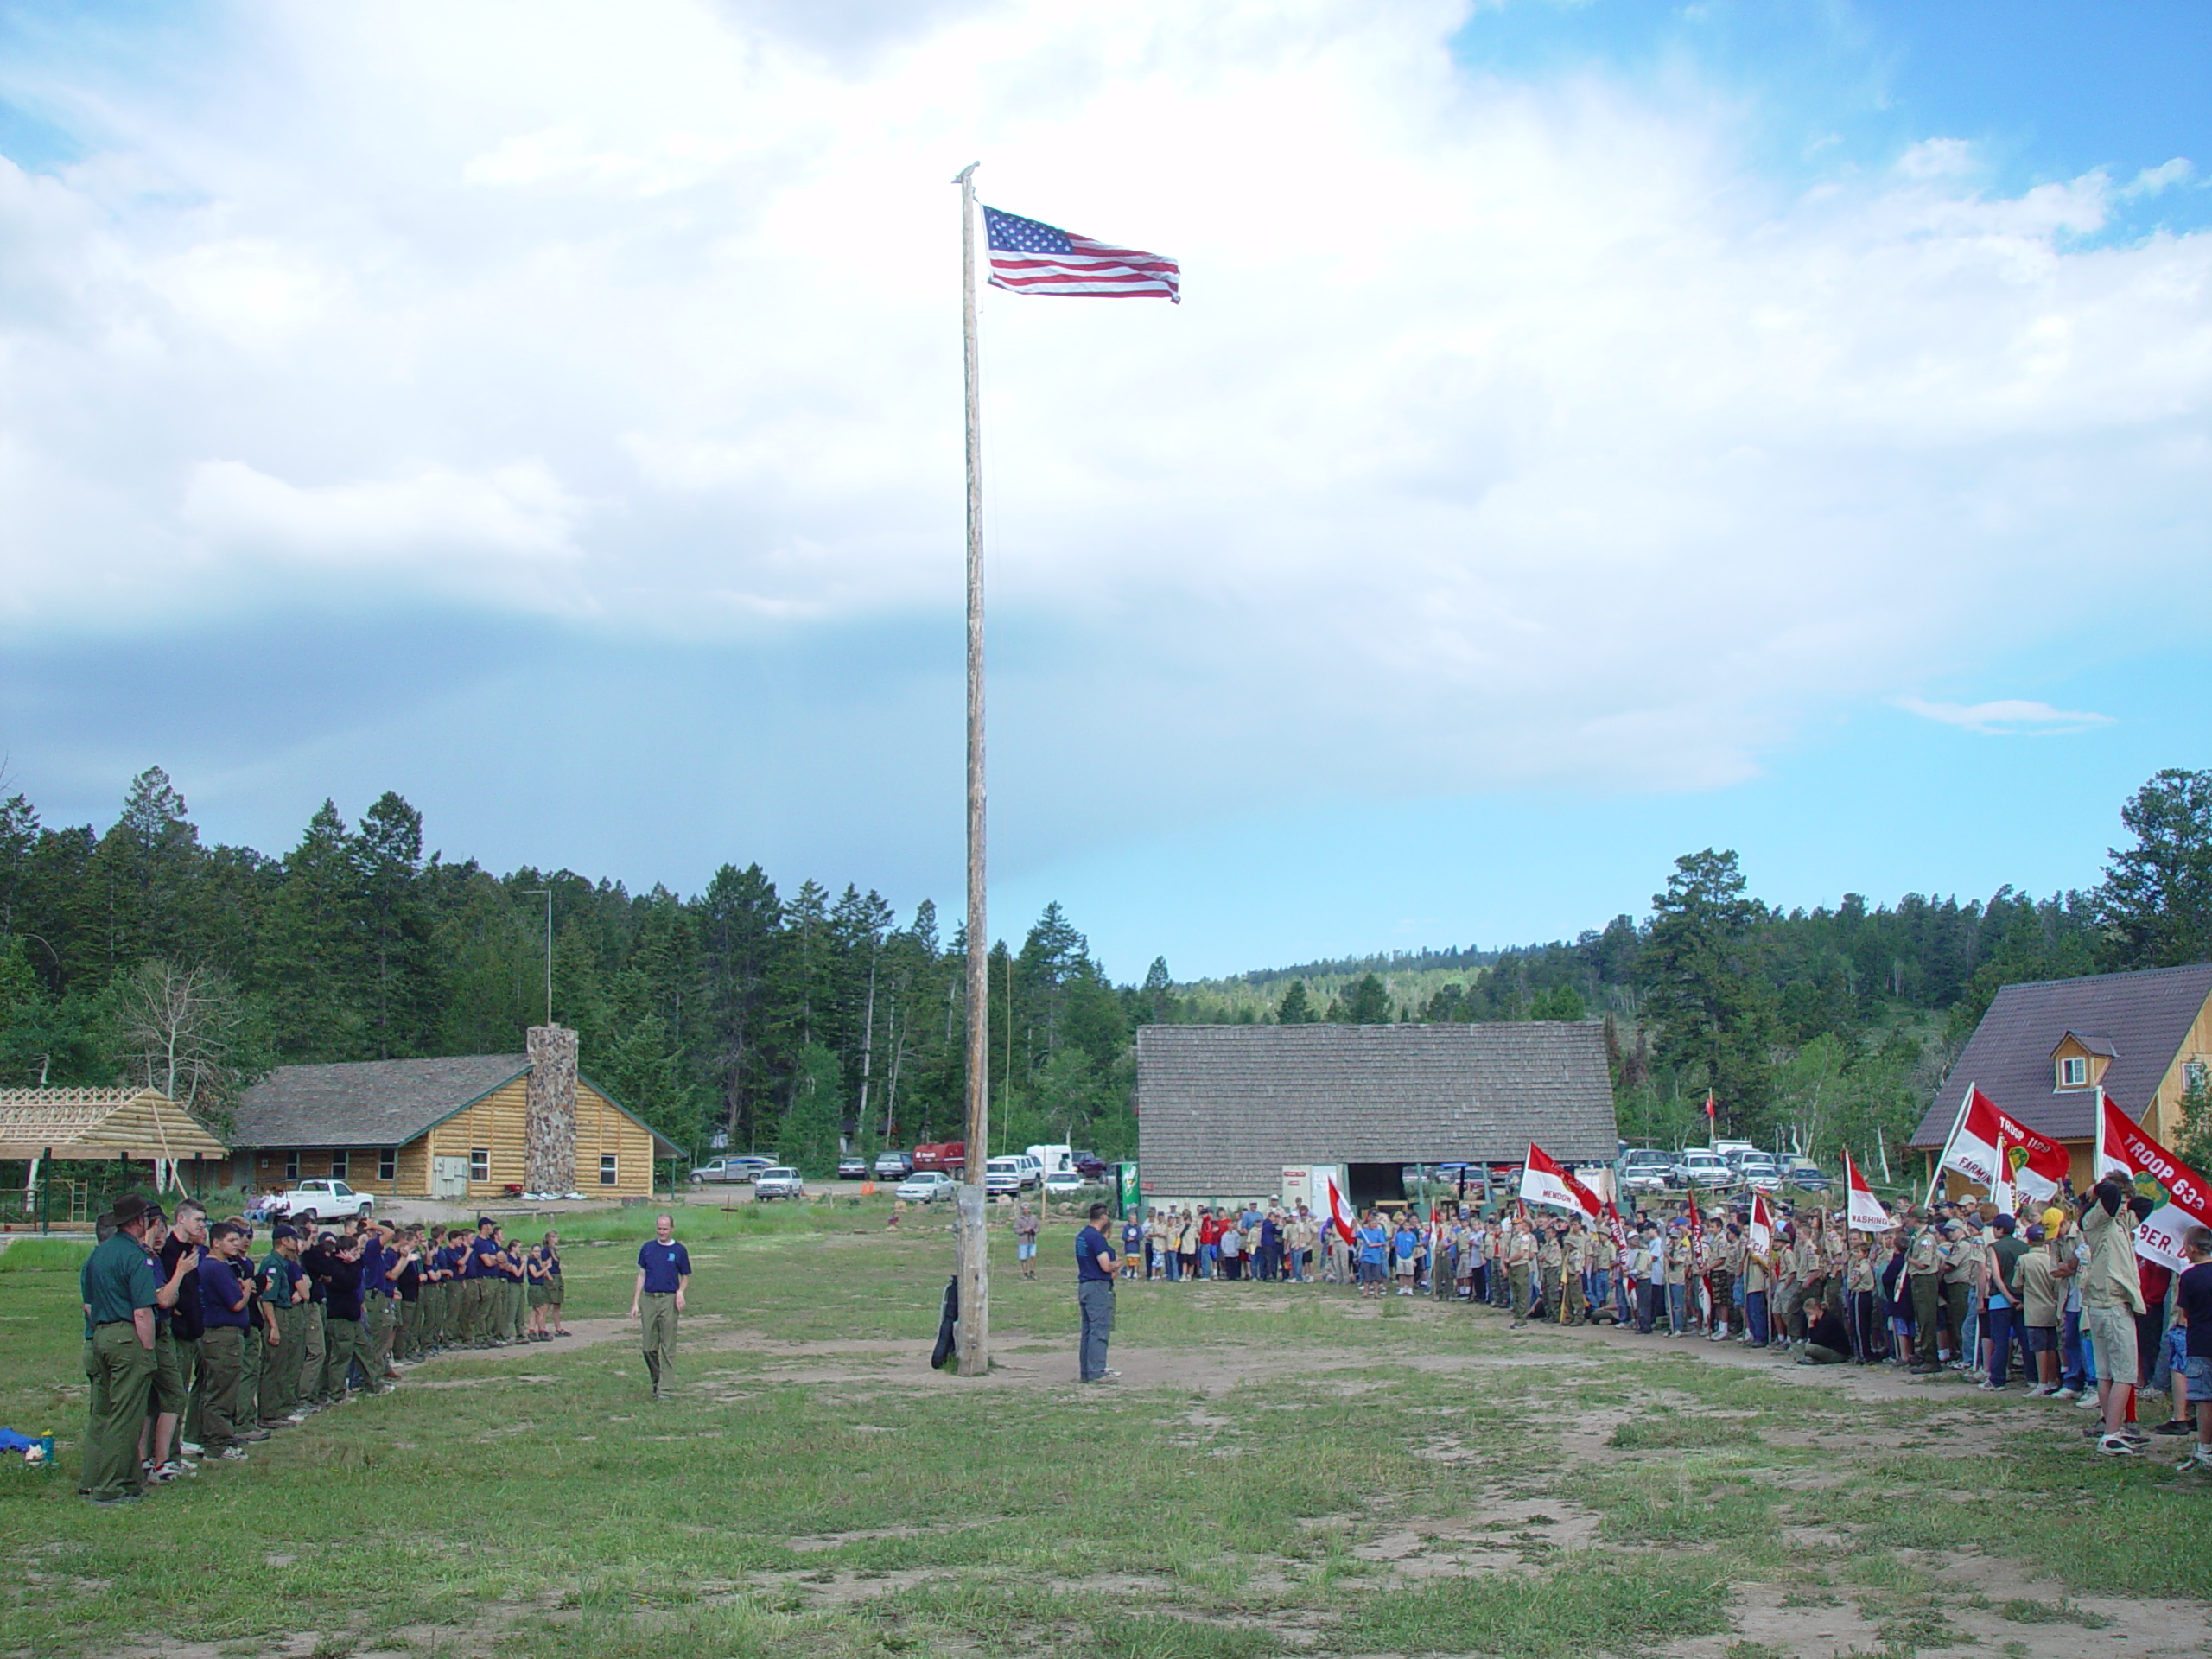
319, 1200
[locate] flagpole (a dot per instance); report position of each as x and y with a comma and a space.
975, 1236
1935, 1179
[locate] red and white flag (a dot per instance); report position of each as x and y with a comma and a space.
1339, 1213
1617, 1228
2037, 1164
1762, 1226
1712, 1110
1545, 1180
1863, 1211
1030, 257
2183, 1196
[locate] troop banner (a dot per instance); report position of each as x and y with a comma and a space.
2184, 1199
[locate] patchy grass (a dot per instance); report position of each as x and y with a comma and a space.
1314, 1475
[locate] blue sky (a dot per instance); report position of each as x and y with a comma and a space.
1592, 433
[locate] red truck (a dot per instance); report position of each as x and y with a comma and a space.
951, 1156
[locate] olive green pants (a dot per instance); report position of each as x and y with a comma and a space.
657, 1309
1516, 1280
280, 1367
1927, 1297
222, 1367
307, 1384
345, 1343
120, 1371
380, 1318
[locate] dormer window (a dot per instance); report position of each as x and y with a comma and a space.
2074, 1072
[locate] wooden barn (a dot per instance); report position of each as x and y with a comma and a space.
463, 1127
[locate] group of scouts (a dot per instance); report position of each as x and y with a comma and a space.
194, 1351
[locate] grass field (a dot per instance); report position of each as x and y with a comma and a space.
1281, 1471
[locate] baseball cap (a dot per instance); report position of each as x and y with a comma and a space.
284, 1230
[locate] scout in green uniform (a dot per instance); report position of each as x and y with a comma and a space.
1961, 1256
284, 1298
1574, 1309
119, 1289
1551, 1262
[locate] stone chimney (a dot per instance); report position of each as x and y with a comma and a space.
550, 1142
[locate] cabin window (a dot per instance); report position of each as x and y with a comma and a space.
2073, 1072
480, 1164
337, 1166
607, 1169
388, 1164
292, 1168
2195, 1075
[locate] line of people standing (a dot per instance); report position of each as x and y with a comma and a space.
194, 1351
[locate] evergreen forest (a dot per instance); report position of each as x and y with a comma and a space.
797, 1022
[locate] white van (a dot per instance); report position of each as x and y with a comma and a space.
1051, 1160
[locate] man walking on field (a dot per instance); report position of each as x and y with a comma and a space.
663, 1271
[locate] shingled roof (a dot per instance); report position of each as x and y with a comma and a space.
1223, 1108
366, 1103
2141, 1019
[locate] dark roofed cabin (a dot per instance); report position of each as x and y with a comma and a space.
1223, 1110
2043, 1051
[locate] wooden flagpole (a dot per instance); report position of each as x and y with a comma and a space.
1935, 1179
974, 1269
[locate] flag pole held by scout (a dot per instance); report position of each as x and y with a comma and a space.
1027, 257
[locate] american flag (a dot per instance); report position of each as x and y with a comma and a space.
1029, 256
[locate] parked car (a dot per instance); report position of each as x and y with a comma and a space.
1699, 1166
741, 1167
852, 1167
1645, 1169
893, 1165
1063, 1182
1760, 1170
319, 1200
1092, 1167
1805, 1175
1005, 1177
778, 1181
1033, 1170
926, 1187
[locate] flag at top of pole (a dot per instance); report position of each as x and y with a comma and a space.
1030, 257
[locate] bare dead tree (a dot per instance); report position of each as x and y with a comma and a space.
177, 1031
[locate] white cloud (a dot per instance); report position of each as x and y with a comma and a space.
2006, 716
1510, 433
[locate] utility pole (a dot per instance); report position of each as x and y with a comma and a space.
974, 1233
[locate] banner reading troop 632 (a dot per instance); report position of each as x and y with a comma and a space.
2180, 1192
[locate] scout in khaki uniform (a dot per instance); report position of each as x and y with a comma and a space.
1961, 1257
1520, 1258
1720, 1274
1924, 1267
1551, 1263
1575, 1261
118, 1286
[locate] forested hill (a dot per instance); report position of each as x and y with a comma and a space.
139, 951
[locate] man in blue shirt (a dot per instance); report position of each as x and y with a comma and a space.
1093, 1295
480, 1279
663, 1271
226, 1287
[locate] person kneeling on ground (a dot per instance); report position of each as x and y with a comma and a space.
1829, 1341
